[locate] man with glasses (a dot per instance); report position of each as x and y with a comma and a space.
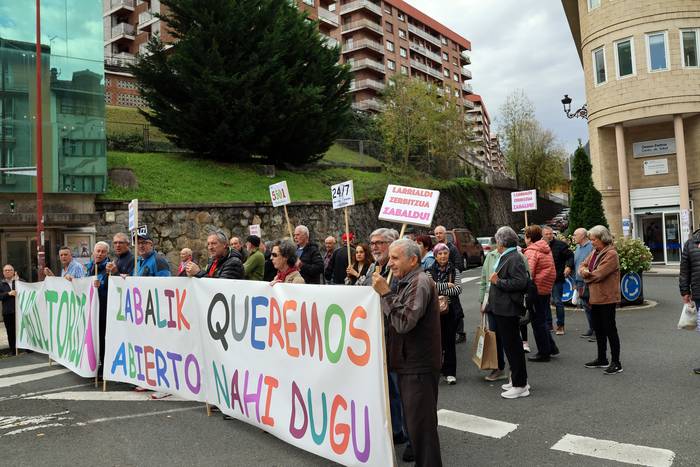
124, 262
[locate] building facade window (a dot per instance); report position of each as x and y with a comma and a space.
624, 58
455, 76
389, 46
689, 46
657, 51
599, 74
446, 72
445, 56
404, 70
391, 64
309, 2
400, 16
402, 34
593, 4
388, 26
402, 52
443, 40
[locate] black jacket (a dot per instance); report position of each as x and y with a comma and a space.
230, 268
455, 256
563, 257
8, 301
507, 294
337, 269
689, 277
311, 264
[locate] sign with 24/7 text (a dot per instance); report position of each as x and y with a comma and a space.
286, 359
523, 200
406, 205
279, 194
343, 195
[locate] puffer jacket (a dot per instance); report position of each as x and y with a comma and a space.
541, 263
689, 277
603, 278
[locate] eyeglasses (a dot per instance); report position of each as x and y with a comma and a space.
274, 255
378, 242
118, 242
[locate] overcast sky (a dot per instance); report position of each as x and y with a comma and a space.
519, 44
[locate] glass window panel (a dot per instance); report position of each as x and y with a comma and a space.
599, 59
690, 48
624, 58
593, 4
657, 51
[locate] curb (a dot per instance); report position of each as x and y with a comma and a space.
647, 304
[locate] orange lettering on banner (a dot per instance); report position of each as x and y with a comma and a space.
360, 334
275, 326
289, 327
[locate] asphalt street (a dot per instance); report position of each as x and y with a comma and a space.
53, 417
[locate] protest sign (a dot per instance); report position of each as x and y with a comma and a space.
343, 195
255, 230
133, 214
523, 201
406, 205
279, 194
286, 359
60, 318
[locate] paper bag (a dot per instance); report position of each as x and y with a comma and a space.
483, 350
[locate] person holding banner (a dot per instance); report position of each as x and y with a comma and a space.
309, 260
285, 261
224, 262
150, 263
7, 297
98, 267
70, 268
255, 264
185, 258
357, 271
414, 345
124, 262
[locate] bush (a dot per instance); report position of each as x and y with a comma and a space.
634, 255
128, 142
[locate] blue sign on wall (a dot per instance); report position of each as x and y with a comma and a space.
568, 291
631, 286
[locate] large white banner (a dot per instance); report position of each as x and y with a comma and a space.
60, 318
302, 362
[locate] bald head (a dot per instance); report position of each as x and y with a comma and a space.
580, 236
440, 232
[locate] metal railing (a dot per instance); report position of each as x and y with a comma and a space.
121, 3
357, 4
356, 85
366, 63
466, 56
466, 72
361, 44
368, 104
328, 16
425, 69
467, 87
424, 34
145, 17
363, 23
424, 51
125, 29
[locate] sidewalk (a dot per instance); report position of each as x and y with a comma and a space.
662, 270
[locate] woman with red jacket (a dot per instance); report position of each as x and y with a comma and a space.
543, 273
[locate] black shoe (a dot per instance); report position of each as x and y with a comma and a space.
613, 368
696, 371
597, 364
408, 454
538, 357
554, 352
461, 337
400, 439
586, 335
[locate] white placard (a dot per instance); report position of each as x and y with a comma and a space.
133, 214
255, 230
406, 205
279, 194
272, 357
657, 147
523, 200
656, 167
343, 195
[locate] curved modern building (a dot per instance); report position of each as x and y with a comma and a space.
642, 71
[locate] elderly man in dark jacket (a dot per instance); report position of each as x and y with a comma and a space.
564, 263
508, 285
7, 297
310, 261
414, 345
224, 262
689, 277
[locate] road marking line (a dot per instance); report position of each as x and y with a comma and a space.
468, 279
118, 396
611, 450
474, 424
32, 428
28, 394
32, 422
139, 415
5, 382
23, 368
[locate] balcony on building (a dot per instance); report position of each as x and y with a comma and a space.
426, 69
466, 87
360, 4
466, 72
424, 35
360, 84
416, 47
146, 19
117, 6
353, 45
328, 17
122, 59
329, 41
363, 24
466, 56
143, 50
363, 63
122, 32
468, 104
368, 104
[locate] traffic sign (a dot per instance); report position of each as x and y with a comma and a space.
568, 290
631, 286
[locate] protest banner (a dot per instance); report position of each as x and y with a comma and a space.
524, 201
343, 195
60, 318
302, 362
279, 194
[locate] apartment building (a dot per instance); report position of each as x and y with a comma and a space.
486, 153
641, 67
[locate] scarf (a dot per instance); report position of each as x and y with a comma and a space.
281, 276
212, 269
498, 261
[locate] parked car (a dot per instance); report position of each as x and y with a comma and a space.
485, 243
469, 247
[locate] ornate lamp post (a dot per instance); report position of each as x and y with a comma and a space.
580, 113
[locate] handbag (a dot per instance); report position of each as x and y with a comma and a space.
444, 302
483, 349
689, 317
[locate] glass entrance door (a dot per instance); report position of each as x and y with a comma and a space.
19, 250
653, 235
672, 232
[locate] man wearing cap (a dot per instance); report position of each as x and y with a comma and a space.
338, 265
224, 262
255, 264
150, 263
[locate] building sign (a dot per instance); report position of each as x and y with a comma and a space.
524, 200
657, 147
656, 167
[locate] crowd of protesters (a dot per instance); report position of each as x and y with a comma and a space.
419, 282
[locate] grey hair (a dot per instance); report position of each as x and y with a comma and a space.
288, 250
547, 227
581, 230
409, 247
304, 229
506, 236
104, 244
388, 235
220, 235
601, 233
122, 236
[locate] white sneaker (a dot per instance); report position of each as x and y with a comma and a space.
507, 386
526, 347
451, 380
515, 392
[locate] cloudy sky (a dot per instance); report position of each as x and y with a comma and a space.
519, 44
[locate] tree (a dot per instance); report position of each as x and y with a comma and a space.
245, 78
586, 201
422, 127
528, 147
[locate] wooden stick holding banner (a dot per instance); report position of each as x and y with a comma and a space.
524, 201
347, 234
208, 406
403, 231
133, 227
343, 195
279, 194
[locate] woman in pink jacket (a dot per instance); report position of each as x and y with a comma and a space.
543, 273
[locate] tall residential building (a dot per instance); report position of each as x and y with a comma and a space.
486, 153
73, 134
642, 72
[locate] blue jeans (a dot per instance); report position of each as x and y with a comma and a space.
543, 338
557, 291
396, 407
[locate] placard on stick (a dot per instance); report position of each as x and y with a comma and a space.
524, 201
407, 205
343, 195
254, 229
279, 194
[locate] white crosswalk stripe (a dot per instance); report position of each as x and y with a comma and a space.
468, 279
11, 381
118, 396
474, 424
612, 450
21, 369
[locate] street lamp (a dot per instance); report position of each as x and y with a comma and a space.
580, 113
